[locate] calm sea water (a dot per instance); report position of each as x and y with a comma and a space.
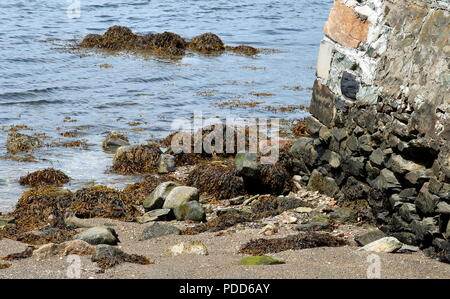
41, 83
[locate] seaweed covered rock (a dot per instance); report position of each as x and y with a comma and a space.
217, 180
139, 159
165, 44
77, 247
119, 38
45, 177
207, 43
101, 201
166, 163
20, 143
113, 141
107, 256
138, 192
244, 50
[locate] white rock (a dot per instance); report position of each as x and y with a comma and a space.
386, 244
183, 248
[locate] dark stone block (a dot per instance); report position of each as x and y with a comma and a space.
322, 104
349, 85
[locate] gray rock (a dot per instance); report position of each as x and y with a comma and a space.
400, 165
369, 237
386, 180
386, 244
378, 157
99, 235
354, 165
247, 165
156, 229
166, 163
333, 159
343, 215
192, 210
352, 143
313, 125
106, 252
367, 95
155, 215
323, 184
339, 134
426, 202
408, 248
408, 212
408, 193
180, 195
325, 134
443, 208
365, 143
418, 177
157, 198
21, 143
303, 149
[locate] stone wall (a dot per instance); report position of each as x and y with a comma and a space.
380, 127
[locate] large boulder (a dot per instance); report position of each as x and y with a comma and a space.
180, 195
192, 210
157, 198
155, 230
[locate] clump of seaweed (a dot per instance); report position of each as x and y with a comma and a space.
104, 202
226, 221
207, 43
108, 257
4, 266
300, 128
136, 159
45, 177
28, 252
217, 180
295, 242
244, 50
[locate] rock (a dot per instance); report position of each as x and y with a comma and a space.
367, 95
194, 247
313, 125
442, 208
324, 134
192, 210
386, 244
247, 165
155, 215
180, 195
408, 212
71, 220
17, 143
345, 26
77, 247
270, 229
386, 180
408, 248
103, 251
349, 85
419, 177
113, 141
156, 230
343, 215
259, 260
378, 157
425, 228
303, 150
399, 165
166, 164
99, 235
322, 105
426, 202
303, 210
323, 184
354, 165
333, 159
157, 198
369, 237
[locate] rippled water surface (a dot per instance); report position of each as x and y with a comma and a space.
42, 84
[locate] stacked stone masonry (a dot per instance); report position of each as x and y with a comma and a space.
380, 127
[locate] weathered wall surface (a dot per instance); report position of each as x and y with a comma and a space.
380, 121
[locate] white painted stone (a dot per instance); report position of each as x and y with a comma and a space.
324, 59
